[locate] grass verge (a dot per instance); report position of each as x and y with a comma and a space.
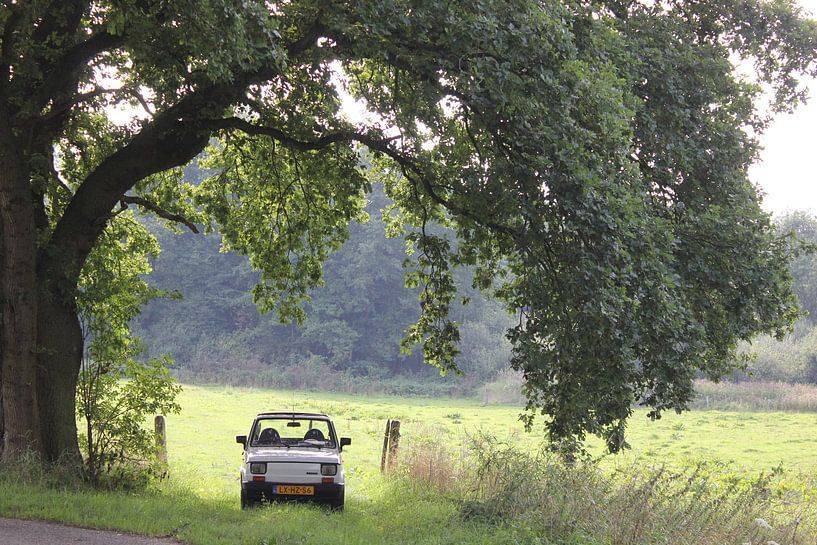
389, 513
496, 494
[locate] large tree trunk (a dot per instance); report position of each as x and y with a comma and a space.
19, 303
2, 417
2, 422
60, 350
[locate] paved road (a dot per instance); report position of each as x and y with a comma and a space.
33, 532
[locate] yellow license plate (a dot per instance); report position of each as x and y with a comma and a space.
294, 490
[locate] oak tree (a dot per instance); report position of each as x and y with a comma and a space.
590, 155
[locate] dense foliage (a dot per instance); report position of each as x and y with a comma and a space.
590, 157
355, 321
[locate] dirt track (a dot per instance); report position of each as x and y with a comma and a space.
33, 532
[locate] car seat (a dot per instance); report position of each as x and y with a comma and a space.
269, 436
315, 434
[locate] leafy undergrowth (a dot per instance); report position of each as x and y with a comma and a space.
755, 396
747, 396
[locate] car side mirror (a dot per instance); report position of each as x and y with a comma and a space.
241, 439
345, 441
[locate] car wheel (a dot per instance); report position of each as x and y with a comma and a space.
246, 501
337, 503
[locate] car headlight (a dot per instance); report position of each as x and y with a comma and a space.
329, 469
259, 468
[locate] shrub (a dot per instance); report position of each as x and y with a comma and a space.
115, 391
115, 400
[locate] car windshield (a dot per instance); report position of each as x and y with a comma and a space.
292, 432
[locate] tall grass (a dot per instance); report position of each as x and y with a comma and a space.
311, 374
723, 396
755, 396
704, 503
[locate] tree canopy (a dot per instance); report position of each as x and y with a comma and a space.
589, 155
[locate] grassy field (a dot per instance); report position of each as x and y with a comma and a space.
199, 504
202, 437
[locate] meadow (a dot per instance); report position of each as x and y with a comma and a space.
202, 436
199, 503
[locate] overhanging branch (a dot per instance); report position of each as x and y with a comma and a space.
406, 162
158, 210
171, 138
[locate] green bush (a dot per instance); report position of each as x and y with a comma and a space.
116, 392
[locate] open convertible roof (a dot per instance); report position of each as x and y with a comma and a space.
290, 414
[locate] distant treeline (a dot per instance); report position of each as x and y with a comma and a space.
794, 359
351, 339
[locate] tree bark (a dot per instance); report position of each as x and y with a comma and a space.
2, 422
60, 352
19, 302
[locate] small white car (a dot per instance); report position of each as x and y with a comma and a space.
292, 456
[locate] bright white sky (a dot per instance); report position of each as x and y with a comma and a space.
787, 170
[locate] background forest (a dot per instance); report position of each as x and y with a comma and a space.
351, 339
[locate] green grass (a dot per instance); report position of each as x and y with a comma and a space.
199, 503
212, 416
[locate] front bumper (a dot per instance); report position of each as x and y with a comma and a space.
323, 492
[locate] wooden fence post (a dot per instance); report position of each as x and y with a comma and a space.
394, 443
385, 447
391, 444
161, 438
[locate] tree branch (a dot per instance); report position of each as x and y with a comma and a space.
308, 38
279, 135
158, 210
60, 77
61, 107
172, 138
382, 145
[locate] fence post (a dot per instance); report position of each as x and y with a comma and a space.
385, 447
161, 438
394, 443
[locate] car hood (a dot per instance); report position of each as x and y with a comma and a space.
320, 456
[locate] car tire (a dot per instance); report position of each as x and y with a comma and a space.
337, 503
246, 501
